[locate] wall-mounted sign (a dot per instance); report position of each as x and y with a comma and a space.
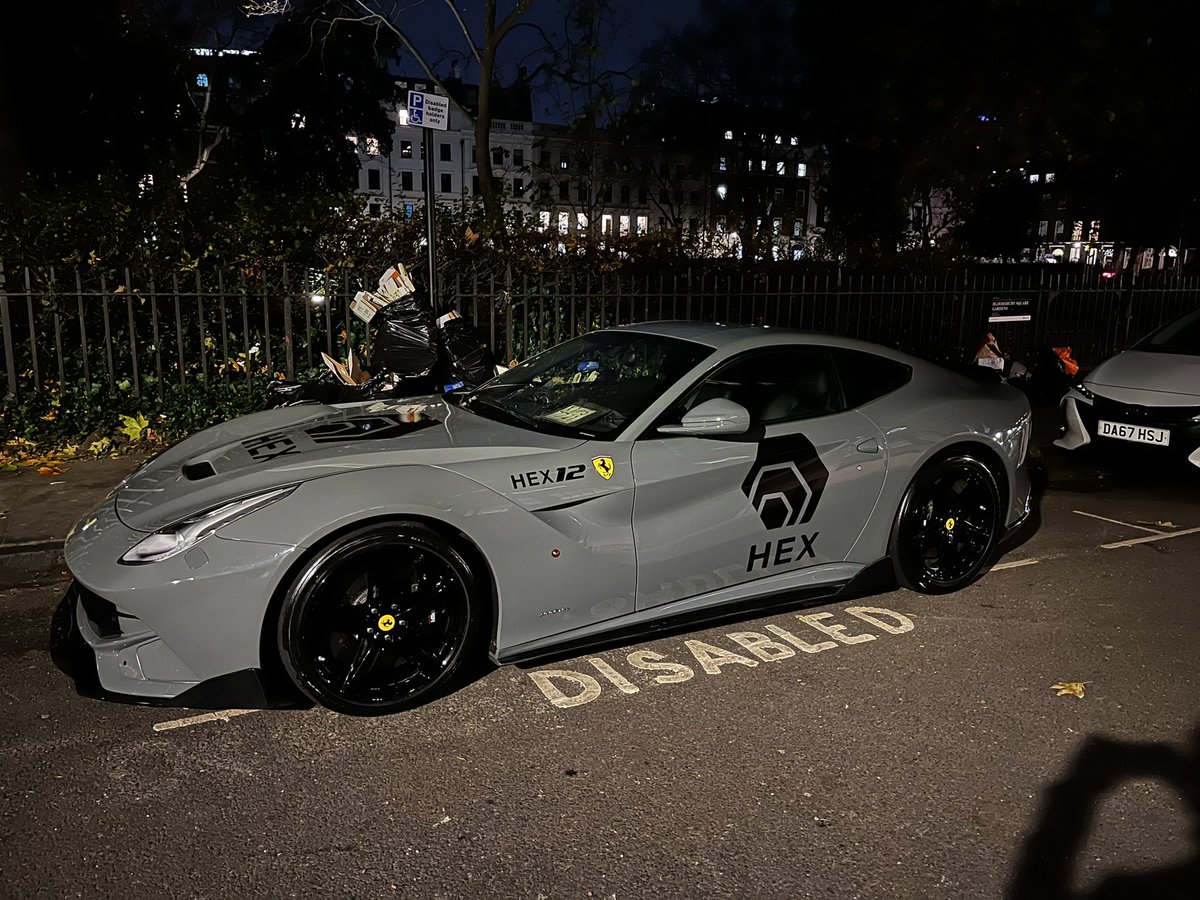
1009, 310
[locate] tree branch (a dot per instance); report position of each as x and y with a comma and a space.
465, 30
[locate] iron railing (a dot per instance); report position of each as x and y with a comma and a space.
140, 334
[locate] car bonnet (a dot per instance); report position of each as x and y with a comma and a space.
295, 444
1139, 376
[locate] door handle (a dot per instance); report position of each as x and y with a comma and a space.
870, 445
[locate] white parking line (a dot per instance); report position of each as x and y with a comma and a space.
223, 715
1015, 564
1080, 512
1154, 537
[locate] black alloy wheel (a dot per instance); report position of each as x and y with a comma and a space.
947, 527
380, 620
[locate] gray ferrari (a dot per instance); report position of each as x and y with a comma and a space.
368, 556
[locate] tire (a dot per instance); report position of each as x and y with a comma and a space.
947, 526
382, 619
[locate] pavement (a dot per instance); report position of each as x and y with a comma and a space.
37, 511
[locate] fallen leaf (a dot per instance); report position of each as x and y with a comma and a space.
1074, 688
49, 470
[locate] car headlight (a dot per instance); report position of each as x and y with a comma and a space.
1083, 391
184, 535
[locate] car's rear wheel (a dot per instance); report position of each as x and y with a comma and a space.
947, 526
380, 620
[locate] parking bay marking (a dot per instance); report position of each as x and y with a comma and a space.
566, 688
223, 715
1080, 512
1160, 536
1015, 564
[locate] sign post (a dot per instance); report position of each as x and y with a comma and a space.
429, 111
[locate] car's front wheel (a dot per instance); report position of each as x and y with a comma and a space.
380, 620
947, 526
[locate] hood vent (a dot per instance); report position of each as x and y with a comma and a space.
197, 471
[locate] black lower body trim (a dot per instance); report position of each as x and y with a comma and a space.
245, 689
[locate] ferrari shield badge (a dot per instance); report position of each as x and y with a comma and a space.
604, 465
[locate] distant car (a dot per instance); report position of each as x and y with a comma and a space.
1148, 395
617, 483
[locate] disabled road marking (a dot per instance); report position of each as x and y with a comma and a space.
1160, 536
223, 715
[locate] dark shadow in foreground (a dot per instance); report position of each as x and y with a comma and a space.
1051, 852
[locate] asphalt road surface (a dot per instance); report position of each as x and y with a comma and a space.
892, 746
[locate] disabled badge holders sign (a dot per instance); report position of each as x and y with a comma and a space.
428, 110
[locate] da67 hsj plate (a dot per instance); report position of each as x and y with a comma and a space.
1141, 434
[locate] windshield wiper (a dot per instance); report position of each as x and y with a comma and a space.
505, 413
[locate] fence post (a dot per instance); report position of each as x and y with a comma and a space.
289, 352
10, 365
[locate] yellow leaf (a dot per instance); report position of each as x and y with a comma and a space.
49, 470
1074, 688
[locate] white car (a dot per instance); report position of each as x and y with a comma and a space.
1147, 395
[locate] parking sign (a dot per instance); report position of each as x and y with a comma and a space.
428, 110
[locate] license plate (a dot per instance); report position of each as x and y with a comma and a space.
1140, 434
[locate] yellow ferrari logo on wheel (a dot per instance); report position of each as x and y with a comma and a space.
387, 623
604, 465
950, 524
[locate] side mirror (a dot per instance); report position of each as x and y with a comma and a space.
712, 417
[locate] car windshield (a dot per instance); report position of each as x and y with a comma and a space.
589, 387
1180, 336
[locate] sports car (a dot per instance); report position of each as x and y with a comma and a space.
367, 556
1148, 395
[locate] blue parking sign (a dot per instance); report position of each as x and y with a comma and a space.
416, 107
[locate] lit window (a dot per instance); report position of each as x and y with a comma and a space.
606, 224
796, 228
402, 115
373, 146
763, 165
564, 222
581, 221
776, 226
564, 162
406, 149
1035, 178
750, 165
729, 135
779, 138
1060, 228
1049, 177
801, 169
624, 225
722, 165
353, 139
722, 191
544, 219
1043, 228
145, 183
643, 224
781, 168
795, 141
408, 210
297, 120
202, 80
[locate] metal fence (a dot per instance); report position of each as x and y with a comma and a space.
134, 333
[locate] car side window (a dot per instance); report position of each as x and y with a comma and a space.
865, 376
776, 385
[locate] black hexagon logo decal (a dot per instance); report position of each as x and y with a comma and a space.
786, 482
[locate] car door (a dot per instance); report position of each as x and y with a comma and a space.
795, 491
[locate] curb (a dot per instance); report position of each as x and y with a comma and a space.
31, 563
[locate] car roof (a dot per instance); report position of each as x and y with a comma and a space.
743, 337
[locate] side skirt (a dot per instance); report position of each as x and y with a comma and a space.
874, 578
